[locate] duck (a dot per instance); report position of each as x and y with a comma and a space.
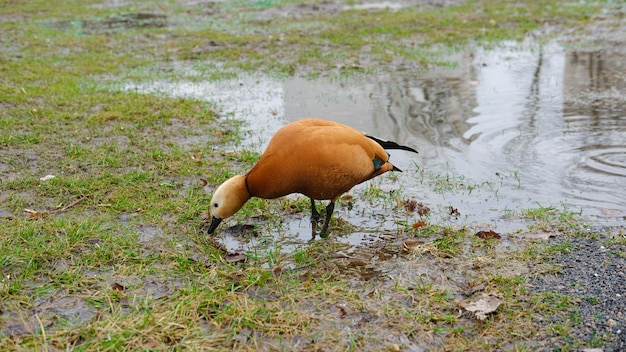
317, 158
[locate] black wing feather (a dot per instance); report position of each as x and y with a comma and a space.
391, 145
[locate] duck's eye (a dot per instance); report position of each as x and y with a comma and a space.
215, 205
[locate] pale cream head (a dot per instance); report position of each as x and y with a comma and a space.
228, 198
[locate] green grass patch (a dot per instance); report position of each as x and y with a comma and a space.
110, 253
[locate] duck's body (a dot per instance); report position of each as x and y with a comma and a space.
317, 158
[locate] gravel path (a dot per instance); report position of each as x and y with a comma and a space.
594, 272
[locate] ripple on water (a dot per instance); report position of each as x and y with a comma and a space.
609, 160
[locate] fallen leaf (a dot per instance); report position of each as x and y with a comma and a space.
117, 287
418, 225
204, 182
488, 234
409, 205
277, 270
422, 210
481, 306
411, 245
342, 309
34, 214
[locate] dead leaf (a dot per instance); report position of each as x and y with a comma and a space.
34, 214
204, 182
481, 306
488, 234
409, 205
117, 287
342, 309
277, 270
418, 225
422, 210
409, 245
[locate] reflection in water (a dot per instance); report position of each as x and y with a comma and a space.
595, 113
538, 124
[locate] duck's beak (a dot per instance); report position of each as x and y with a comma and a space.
214, 224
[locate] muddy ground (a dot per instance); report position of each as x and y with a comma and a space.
104, 189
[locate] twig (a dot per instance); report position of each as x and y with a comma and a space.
35, 213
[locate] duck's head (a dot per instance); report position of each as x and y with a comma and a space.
228, 198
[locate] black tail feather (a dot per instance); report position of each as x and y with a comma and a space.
391, 145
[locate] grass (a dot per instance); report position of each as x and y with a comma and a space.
112, 254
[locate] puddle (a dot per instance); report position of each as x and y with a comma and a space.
514, 128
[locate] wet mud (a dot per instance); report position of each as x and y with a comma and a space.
521, 126
507, 129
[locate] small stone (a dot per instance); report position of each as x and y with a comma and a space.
47, 177
611, 323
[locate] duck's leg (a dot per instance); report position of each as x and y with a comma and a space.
315, 218
329, 213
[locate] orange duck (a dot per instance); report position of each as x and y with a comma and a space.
317, 158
